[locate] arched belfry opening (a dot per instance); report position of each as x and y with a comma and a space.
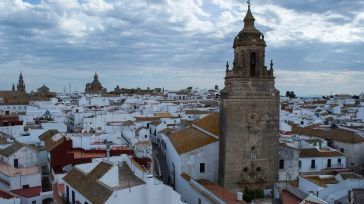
253, 64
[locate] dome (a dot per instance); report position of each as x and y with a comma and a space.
43, 88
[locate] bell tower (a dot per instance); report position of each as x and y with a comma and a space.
21, 85
249, 116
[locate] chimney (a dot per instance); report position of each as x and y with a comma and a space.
239, 196
108, 144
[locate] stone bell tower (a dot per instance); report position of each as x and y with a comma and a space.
249, 116
21, 85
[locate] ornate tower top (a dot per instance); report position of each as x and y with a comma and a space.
249, 34
21, 84
96, 77
249, 52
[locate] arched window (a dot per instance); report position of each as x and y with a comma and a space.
253, 62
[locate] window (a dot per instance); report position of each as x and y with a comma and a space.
199, 201
73, 198
202, 167
253, 62
299, 164
342, 150
339, 161
313, 164
16, 164
67, 193
34, 202
25, 186
329, 163
281, 164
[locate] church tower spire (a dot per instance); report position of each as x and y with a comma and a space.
249, 116
21, 85
249, 19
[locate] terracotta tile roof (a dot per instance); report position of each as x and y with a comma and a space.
88, 184
48, 134
209, 123
163, 114
192, 138
153, 118
142, 119
4, 137
127, 178
220, 192
196, 112
50, 144
323, 182
189, 139
350, 175
288, 198
7, 195
100, 170
11, 149
338, 134
313, 152
28, 192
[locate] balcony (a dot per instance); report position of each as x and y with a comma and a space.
11, 171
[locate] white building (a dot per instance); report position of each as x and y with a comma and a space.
192, 156
331, 188
117, 180
20, 173
315, 160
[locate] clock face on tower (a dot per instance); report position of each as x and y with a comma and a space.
253, 117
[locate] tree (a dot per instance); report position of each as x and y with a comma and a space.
290, 94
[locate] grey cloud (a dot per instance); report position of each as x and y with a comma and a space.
139, 45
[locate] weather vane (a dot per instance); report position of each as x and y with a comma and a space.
248, 2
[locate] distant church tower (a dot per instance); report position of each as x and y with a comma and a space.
21, 84
249, 116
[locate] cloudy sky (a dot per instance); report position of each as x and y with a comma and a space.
317, 45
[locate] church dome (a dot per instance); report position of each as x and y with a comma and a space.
43, 88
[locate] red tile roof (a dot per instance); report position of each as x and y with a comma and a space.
28, 192
313, 152
288, 198
220, 192
6, 195
57, 189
